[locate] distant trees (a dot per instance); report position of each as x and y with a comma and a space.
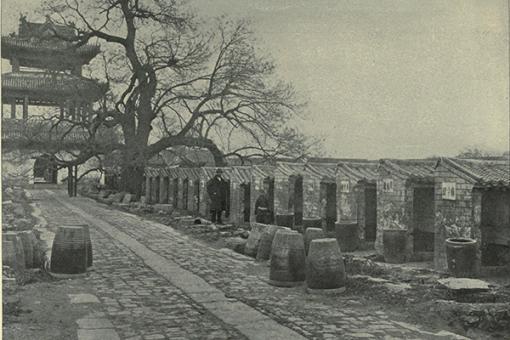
479, 153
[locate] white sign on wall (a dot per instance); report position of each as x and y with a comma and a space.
448, 190
387, 185
344, 186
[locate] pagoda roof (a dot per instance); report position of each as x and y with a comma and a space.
49, 86
45, 29
29, 48
48, 41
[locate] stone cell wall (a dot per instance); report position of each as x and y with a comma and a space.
392, 207
455, 218
359, 193
281, 195
311, 197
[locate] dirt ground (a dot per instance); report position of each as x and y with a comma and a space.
41, 309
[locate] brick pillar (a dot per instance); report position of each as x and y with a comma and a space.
204, 198
13, 110
148, 182
25, 107
476, 229
281, 195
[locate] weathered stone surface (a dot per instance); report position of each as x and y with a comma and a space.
464, 284
128, 198
83, 298
236, 244
252, 244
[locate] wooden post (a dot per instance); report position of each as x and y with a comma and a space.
75, 182
15, 64
62, 111
72, 110
13, 110
25, 107
70, 181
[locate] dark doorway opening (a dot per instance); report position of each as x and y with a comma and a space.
370, 212
45, 170
166, 183
227, 195
495, 228
296, 198
328, 203
271, 198
423, 219
157, 185
176, 191
185, 188
197, 195
246, 187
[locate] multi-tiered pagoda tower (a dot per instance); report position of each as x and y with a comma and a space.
46, 72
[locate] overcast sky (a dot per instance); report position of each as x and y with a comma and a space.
385, 78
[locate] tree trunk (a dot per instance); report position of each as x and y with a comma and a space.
131, 179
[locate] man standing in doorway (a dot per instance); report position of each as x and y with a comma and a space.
217, 191
263, 211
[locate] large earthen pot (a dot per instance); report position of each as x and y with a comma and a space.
266, 241
312, 222
69, 251
325, 270
88, 243
285, 220
287, 268
19, 264
28, 248
394, 245
9, 254
38, 252
252, 243
312, 234
347, 236
461, 257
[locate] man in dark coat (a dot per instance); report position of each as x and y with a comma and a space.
263, 211
217, 191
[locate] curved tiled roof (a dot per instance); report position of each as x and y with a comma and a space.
363, 171
241, 174
322, 171
263, 171
486, 173
420, 169
289, 169
56, 84
31, 45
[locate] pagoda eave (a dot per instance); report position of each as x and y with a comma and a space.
27, 52
47, 89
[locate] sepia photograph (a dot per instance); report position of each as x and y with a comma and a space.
255, 169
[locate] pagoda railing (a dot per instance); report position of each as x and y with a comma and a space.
35, 131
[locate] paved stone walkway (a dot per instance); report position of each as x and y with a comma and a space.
141, 303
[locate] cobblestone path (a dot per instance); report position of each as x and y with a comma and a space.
142, 303
137, 300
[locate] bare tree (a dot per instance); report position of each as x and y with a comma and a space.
174, 83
